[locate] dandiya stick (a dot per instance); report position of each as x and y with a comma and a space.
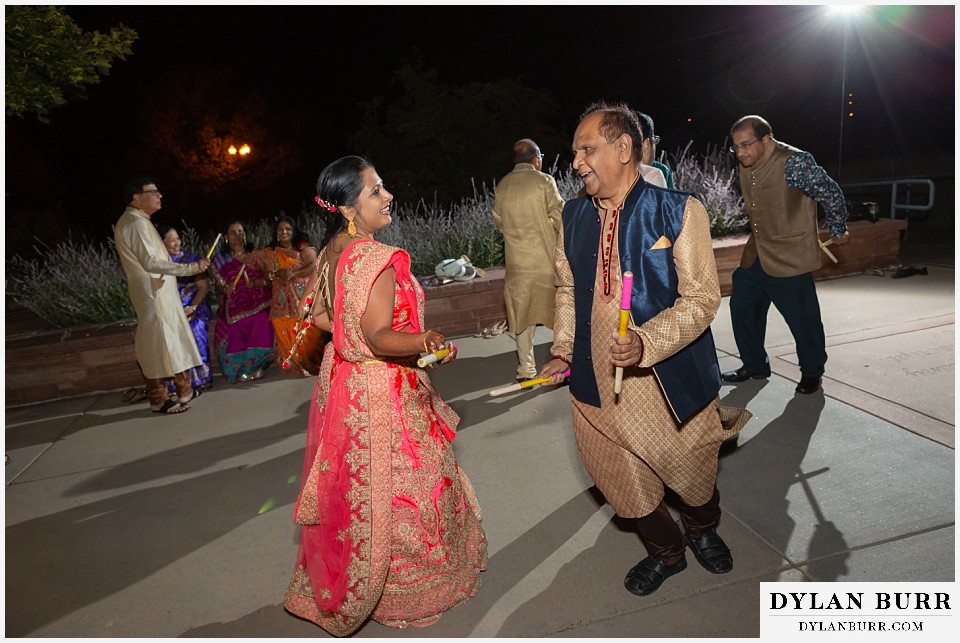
823, 246
435, 356
624, 320
239, 274
522, 385
214, 246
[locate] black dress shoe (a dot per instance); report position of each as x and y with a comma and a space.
808, 385
741, 375
648, 575
711, 552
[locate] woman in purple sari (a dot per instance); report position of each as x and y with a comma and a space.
193, 295
243, 338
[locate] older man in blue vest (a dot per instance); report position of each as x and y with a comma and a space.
660, 437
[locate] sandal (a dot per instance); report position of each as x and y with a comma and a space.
132, 395
171, 408
493, 330
196, 393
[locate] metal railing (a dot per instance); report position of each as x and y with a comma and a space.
895, 185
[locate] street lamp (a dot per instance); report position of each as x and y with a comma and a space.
243, 151
847, 14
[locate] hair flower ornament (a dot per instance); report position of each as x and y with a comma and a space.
325, 204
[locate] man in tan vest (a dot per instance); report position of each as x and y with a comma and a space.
527, 209
781, 187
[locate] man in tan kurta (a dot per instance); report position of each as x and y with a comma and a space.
633, 445
164, 344
526, 209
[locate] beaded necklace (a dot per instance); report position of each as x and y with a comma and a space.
606, 253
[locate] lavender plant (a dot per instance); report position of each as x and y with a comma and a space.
72, 284
712, 179
79, 283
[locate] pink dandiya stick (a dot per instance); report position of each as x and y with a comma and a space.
624, 321
522, 385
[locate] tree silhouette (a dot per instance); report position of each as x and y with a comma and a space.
430, 141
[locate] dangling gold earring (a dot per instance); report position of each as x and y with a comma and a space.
351, 229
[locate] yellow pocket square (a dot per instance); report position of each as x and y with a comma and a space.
661, 243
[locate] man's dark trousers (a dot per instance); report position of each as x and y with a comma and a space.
795, 298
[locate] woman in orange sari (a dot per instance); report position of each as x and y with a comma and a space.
294, 262
390, 526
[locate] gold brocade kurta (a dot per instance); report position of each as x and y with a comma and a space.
163, 343
632, 446
527, 209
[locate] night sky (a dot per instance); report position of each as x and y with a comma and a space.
695, 69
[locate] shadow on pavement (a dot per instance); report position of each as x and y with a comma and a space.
167, 520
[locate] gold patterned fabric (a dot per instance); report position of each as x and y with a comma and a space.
390, 524
631, 445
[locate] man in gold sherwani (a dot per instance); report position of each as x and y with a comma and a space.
526, 209
660, 437
163, 343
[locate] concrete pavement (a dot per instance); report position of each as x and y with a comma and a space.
124, 523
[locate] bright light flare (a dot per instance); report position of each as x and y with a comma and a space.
244, 149
232, 151
846, 11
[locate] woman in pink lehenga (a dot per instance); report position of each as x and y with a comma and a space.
390, 524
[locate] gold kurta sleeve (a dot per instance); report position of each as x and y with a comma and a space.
693, 311
138, 237
564, 322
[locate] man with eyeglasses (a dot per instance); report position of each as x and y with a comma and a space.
654, 438
526, 209
781, 187
163, 343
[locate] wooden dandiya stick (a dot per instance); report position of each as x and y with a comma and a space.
214, 246
435, 356
239, 274
823, 246
624, 320
519, 386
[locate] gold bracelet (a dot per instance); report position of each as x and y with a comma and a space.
425, 349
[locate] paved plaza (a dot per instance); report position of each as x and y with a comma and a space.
123, 523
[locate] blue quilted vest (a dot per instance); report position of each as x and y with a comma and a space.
690, 378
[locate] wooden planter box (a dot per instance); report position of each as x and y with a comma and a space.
50, 364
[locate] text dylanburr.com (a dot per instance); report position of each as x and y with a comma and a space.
852, 610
